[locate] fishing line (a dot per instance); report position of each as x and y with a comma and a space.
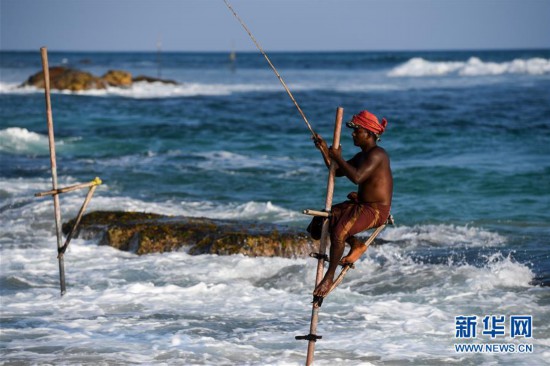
272, 67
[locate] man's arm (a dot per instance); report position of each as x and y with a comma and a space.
322, 146
355, 171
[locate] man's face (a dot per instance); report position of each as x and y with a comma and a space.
360, 136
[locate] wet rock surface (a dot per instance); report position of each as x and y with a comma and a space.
144, 233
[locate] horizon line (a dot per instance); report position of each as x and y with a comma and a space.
547, 48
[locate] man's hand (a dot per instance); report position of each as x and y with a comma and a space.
335, 153
320, 143
353, 196
323, 147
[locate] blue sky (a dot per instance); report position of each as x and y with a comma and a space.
320, 25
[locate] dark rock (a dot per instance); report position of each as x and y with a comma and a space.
144, 233
64, 78
153, 80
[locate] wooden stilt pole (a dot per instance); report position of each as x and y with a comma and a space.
324, 240
51, 139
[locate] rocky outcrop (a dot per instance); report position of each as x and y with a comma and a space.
64, 78
144, 233
118, 78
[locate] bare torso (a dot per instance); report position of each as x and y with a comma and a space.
375, 183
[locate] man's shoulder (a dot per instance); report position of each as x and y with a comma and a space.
376, 155
380, 148
376, 151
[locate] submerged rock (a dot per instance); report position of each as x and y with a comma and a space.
144, 233
150, 79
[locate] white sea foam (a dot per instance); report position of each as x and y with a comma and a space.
142, 90
236, 309
444, 235
499, 272
472, 67
230, 160
22, 141
14, 88
252, 210
145, 90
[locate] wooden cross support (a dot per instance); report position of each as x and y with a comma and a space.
55, 191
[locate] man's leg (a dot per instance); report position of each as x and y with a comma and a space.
368, 219
342, 220
337, 246
356, 251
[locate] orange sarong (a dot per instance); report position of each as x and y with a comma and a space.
351, 217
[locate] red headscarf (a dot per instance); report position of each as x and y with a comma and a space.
369, 121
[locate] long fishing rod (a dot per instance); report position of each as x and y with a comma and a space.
272, 67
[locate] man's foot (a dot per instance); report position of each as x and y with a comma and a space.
354, 254
323, 288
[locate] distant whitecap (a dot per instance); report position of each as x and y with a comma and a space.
418, 67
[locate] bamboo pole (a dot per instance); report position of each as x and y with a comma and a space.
316, 213
94, 182
77, 221
324, 238
51, 139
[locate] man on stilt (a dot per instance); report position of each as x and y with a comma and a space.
368, 207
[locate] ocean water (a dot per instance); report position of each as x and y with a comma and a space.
469, 141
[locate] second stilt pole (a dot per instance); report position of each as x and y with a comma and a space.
51, 139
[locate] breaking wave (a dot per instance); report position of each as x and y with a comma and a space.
419, 67
444, 235
21, 141
18, 140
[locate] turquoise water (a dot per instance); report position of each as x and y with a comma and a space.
468, 136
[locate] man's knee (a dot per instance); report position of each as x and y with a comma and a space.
339, 236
